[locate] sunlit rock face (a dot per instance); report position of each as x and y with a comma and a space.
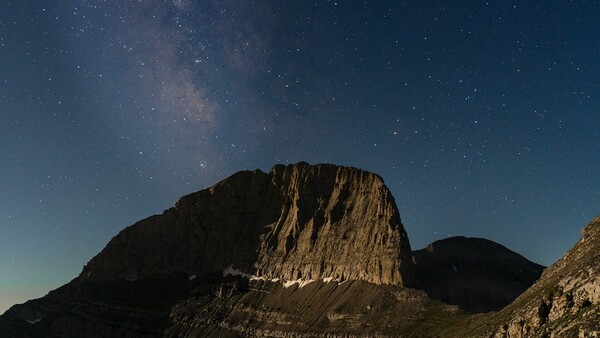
299, 221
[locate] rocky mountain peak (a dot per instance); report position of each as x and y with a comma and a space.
296, 222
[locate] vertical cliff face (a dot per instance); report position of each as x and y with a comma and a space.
295, 222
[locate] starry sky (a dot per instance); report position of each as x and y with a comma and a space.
482, 117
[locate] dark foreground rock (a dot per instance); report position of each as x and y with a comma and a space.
99, 308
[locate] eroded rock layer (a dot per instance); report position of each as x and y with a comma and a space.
295, 222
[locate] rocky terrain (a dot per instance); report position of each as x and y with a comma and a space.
308, 251
564, 302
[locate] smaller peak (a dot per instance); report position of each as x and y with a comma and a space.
464, 240
462, 244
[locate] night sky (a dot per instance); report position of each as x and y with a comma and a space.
482, 118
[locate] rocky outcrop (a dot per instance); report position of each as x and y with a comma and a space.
477, 274
565, 301
296, 222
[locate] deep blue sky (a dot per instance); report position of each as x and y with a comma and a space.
482, 118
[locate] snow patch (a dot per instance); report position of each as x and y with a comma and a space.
301, 283
332, 279
234, 272
289, 283
230, 270
304, 283
34, 321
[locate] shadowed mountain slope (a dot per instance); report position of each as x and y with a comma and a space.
477, 274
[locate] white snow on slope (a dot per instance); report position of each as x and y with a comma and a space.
231, 271
301, 282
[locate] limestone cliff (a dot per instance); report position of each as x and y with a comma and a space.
296, 222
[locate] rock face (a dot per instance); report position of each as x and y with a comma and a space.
477, 274
295, 222
565, 301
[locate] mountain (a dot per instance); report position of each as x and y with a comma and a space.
295, 223
474, 273
303, 250
564, 302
